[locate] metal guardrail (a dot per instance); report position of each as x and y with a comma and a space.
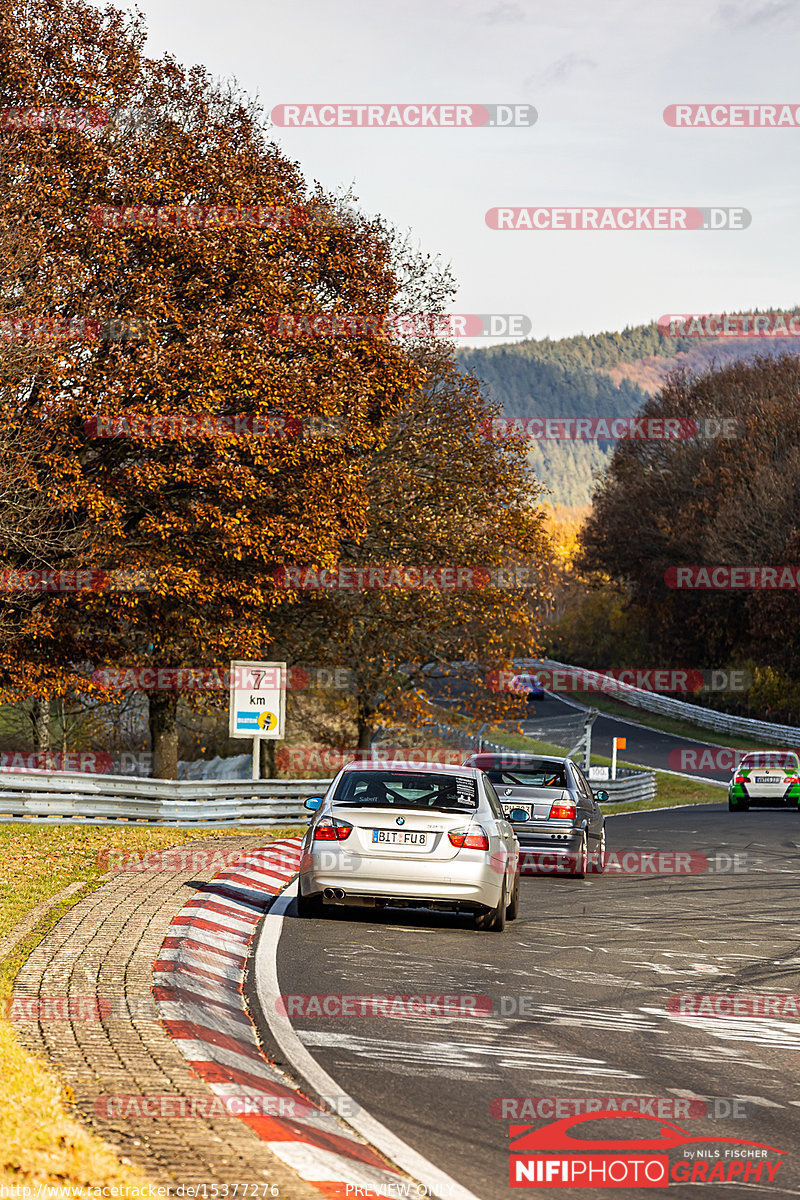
638, 785
62, 798
707, 718
56, 798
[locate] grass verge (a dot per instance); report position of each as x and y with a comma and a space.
41, 1142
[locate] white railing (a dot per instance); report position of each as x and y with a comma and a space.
708, 718
56, 798
61, 798
638, 785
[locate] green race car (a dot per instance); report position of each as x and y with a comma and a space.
765, 777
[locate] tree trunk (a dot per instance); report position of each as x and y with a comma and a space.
163, 711
41, 725
364, 723
269, 768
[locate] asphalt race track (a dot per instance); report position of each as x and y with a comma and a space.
580, 988
646, 747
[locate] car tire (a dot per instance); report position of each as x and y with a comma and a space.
582, 860
309, 906
493, 919
599, 861
736, 806
512, 912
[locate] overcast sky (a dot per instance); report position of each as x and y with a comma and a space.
599, 76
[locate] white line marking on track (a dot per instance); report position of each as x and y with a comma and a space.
312, 1162
437, 1182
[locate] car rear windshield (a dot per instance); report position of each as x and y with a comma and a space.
770, 760
402, 789
544, 776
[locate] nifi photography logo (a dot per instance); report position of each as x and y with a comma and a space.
553, 1156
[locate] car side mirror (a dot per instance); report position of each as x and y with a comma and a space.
313, 802
518, 814
601, 796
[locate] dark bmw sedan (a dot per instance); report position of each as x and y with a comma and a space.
555, 815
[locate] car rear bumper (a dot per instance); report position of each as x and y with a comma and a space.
452, 883
550, 853
788, 799
549, 839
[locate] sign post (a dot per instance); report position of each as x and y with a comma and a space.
257, 707
617, 743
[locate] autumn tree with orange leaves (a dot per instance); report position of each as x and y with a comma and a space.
203, 521
440, 495
181, 225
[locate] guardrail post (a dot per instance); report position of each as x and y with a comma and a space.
591, 717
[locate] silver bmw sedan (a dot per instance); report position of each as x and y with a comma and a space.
410, 836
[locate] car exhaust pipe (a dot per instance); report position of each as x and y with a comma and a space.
333, 893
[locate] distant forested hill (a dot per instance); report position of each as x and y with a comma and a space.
602, 375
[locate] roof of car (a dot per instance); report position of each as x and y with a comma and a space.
415, 768
486, 761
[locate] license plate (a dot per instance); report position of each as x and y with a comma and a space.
399, 837
768, 779
509, 808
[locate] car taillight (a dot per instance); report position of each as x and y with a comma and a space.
469, 839
740, 779
793, 778
563, 812
330, 830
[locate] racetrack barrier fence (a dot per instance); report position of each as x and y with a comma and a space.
708, 718
66, 798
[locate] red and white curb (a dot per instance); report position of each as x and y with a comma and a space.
198, 981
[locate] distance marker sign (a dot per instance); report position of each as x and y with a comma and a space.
257, 699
